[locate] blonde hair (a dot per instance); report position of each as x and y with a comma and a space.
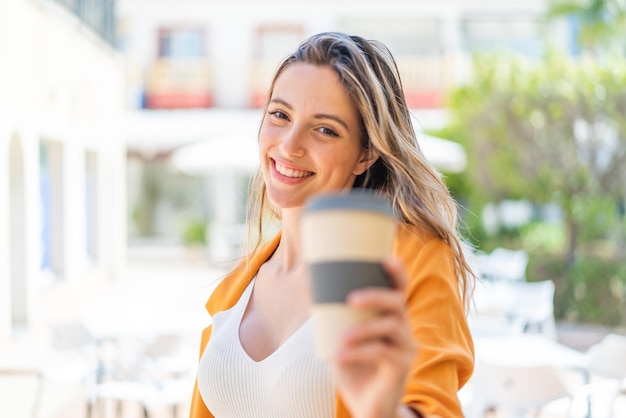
402, 174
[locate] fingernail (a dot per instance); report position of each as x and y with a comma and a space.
356, 296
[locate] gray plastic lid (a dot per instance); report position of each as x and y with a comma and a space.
354, 199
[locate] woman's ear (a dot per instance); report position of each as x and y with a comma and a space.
368, 158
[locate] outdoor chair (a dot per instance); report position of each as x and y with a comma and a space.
514, 307
532, 308
606, 360
70, 360
503, 264
157, 374
515, 391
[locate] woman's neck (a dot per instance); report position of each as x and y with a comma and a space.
288, 255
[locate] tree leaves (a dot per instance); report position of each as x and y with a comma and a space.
536, 127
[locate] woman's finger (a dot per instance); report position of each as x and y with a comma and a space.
386, 328
372, 353
393, 350
396, 271
380, 299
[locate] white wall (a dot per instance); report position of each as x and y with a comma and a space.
231, 26
230, 30
60, 84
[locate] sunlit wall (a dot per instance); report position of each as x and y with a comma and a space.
62, 198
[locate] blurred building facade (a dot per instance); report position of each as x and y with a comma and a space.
195, 66
96, 96
217, 53
62, 157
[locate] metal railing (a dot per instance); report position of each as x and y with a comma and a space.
179, 82
99, 15
426, 79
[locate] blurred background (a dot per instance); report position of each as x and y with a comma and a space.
128, 140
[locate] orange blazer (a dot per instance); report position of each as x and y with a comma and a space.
445, 357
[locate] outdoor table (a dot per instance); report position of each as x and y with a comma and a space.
526, 350
520, 350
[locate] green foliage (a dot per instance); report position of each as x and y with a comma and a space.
467, 193
602, 22
552, 130
593, 290
162, 199
547, 131
194, 232
600, 218
543, 238
143, 213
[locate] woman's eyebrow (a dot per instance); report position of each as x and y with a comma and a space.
337, 119
280, 101
331, 117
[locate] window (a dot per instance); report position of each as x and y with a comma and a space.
181, 43
275, 42
520, 35
403, 36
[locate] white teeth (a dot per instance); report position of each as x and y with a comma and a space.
288, 172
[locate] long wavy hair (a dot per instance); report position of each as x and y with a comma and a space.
402, 174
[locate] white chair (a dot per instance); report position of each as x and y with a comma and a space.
149, 393
491, 300
515, 391
608, 357
156, 375
70, 360
514, 307
504, 264
607, 360
532, 309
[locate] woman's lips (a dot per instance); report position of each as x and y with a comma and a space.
290, 172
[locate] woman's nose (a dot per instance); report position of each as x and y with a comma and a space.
292, 142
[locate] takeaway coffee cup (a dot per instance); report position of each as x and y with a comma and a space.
345, 236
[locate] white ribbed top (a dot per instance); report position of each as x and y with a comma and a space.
288, 383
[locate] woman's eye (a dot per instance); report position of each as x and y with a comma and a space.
327, 131
278, 114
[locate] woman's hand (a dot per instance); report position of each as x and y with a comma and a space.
371, 368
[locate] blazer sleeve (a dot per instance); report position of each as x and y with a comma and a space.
445, 356
198, 408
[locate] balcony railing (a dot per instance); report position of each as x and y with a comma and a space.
175, 83
260, 79
99, 15
426, 80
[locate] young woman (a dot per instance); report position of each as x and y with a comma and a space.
336, 118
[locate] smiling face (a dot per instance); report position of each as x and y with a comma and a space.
310, 137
